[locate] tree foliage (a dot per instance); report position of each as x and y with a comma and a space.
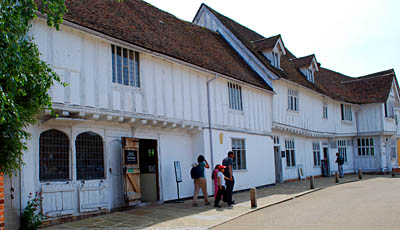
24, 78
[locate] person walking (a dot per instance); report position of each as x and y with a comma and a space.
221, 185
215, 180
201, 182
230, 180
340, 162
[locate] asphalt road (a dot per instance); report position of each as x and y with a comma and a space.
370, 204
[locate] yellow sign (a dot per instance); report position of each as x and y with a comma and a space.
221, 138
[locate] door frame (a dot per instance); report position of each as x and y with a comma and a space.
278, 160
157, 163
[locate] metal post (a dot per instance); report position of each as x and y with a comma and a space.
360, 176
336, 177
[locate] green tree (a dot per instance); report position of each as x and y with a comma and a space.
24, 78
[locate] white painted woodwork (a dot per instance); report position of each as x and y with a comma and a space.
58, 199
93, 196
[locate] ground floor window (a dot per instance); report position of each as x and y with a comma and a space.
342, 149
53, 156
290, 154
89, 156
365, 146
239, 148
316, 153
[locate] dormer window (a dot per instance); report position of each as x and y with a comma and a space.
310, 75
275, 60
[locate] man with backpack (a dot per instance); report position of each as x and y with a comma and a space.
340, 162
200, 181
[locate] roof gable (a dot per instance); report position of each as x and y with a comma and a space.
271, 43
330, 83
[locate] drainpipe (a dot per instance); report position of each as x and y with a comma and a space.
357, 134
209, 121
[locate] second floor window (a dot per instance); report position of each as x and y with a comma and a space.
125, 66
389, 109
293, 100
275, 60
346, 112
235, 96
310, 75
325, 111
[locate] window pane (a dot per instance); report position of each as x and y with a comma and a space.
371, 141
372, 152
53, 156
288, 158
358, 142
363, 151
137, 69
125, 67
89, 156
359, 151
119, 65
113, 63
363, 142
131, 68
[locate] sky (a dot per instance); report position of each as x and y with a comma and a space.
353, 37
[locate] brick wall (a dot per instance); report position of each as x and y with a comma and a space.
1, 202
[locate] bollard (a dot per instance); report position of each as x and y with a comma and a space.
360, 174
392, 172
253, 198
312, 182
336, 177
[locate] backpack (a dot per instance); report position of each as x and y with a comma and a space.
195, 172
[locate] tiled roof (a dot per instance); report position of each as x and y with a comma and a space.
265, 43
246, 35
373, 88
139, 23
303, 61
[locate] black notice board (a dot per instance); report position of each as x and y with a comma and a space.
178, 172
131, 156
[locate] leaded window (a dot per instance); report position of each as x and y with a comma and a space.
365, 146
317, 154
125, 66
293, 100
235, 96
239, 149
290, 154
89, 156
342, 149
53, 156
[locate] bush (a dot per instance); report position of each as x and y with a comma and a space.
31, 218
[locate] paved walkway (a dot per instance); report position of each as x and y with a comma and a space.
184, 216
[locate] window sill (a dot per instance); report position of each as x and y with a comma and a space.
293, 111
125, 87
240, 170
290, 167
391, 119
240, 112
346, 122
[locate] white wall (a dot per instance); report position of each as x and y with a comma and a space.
259, 158
309, 116
255, 117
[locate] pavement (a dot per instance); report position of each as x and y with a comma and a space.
364, 205
184, 216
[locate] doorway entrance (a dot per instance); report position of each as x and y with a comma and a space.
278, 164
326, 164
149, 172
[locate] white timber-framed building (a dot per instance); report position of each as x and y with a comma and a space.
182, 90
